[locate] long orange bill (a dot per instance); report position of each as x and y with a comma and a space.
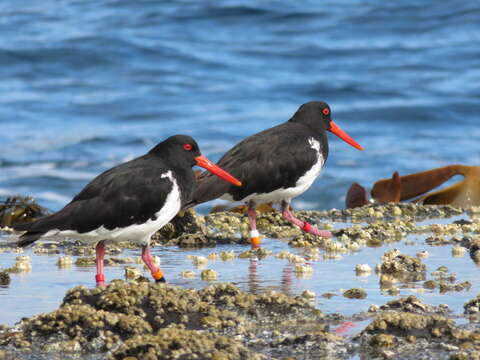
203, 162
334, 128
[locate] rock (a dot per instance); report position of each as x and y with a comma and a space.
355, 293
187, 274
472, 306
132, 273
383, 340
410, 304
303, 270
186, 222
308, 294
458, 251
196, 240
4, 277
64, 261
363, 269
184, 344
209, 275
430, 327
402, 267
198, 260
100, 319
83, 324
18, 209
22, 264
423, 254
85, 261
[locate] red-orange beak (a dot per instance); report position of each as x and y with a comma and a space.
203, 162
334, 128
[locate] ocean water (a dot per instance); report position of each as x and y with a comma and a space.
86, 85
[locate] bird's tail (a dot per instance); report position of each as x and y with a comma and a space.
29, 238
32, 233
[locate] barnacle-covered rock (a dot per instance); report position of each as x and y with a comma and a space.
4, 277
472, 306
75, 328
176, 343
22, 264
355, 293
393, 262
412, 304
431, 327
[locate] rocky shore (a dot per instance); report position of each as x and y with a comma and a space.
137, 319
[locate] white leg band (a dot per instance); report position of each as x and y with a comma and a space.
254, 233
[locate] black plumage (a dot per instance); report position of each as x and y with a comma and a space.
276, 165
129, 202
271, 159
128, 194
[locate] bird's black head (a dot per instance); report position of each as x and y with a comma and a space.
317, 116
314, 114
181, 149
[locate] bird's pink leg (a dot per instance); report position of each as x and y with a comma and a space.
147, 258
305, 226
100, 254
255, 239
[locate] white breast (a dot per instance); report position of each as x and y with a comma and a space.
302, 185
139, 233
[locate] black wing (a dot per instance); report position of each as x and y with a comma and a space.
128, 194
272, 159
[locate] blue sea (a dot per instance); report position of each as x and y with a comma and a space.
85, 85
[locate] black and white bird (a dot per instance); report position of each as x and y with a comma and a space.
130, 201
276, 165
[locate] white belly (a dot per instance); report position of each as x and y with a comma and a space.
302, 185
140, 233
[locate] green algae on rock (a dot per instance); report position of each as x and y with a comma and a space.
75, 328
421, 326
173, 343
412, 304
100, 319
355, 293
472, 306
4, 277
402, 267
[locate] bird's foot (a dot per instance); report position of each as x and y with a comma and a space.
100, 279
158, 276
313, 230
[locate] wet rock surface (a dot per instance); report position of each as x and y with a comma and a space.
174, 343
412, 304
4, 277
397, 264
473, 306
406, 333
19, 209
162, 317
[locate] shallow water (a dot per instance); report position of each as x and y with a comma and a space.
42, 290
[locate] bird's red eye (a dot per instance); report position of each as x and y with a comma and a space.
326, 111
187, 147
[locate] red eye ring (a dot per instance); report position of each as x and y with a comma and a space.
326, 111
187, 147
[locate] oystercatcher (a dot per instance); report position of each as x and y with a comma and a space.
130, 201
276, 165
